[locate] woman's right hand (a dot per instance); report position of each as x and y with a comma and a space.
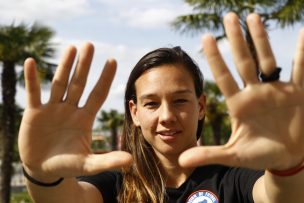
55, 138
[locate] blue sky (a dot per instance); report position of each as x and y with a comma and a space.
125, 30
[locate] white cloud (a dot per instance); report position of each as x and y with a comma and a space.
134, 3
150, 18
144, 13
43, 11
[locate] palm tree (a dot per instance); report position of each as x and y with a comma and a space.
112, 120
16, 44
208, 16
217, 124
19, 111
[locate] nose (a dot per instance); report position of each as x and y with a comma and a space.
166, 114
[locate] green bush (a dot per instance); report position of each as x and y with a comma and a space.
22, 197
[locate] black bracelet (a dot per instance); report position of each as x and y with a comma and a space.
36, 182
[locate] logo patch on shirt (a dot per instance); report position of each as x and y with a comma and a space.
202, 196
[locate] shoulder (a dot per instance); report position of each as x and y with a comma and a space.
216, 183
108, 176
108, 183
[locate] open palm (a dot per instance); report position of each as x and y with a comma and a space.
55, 138
266, 117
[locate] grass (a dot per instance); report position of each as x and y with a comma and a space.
22, 197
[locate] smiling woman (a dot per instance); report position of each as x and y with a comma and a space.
164, 112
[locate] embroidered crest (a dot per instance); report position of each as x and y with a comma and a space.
202, 196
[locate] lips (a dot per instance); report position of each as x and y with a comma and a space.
168, 135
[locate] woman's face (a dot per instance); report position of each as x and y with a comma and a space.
167, 109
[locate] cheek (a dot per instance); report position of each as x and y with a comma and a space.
147, 121
148, 128
190, 120
189, 115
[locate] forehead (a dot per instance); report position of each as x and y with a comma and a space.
165, 78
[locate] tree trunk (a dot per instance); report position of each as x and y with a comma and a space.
217, 129
114, 138
8, 123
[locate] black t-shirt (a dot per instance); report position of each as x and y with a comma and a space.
207, 184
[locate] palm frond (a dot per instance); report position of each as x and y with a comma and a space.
198, 22
207, 15
289, 13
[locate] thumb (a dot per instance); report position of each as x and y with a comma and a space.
197, 156
103, 162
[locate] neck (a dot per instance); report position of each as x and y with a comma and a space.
173, 173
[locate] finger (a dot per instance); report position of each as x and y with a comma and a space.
105, 162
32, 83
102, 87
221, 74
265, 55
298, 67
207, 155
61, 77
79, 78
240, 51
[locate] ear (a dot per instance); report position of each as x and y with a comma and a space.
133, 111
202, 106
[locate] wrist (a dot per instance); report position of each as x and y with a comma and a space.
288, 172
41, 180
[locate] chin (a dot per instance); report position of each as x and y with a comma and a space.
172, 150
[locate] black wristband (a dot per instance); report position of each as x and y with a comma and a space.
37, 182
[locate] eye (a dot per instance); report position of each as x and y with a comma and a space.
150, 104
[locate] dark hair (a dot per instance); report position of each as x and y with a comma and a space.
143, 181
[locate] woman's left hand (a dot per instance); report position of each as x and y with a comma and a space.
267, 117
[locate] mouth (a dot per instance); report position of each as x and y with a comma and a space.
169, 135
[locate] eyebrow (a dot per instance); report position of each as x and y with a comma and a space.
147, 96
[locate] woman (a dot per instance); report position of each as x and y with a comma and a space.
164, 110
165, 106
